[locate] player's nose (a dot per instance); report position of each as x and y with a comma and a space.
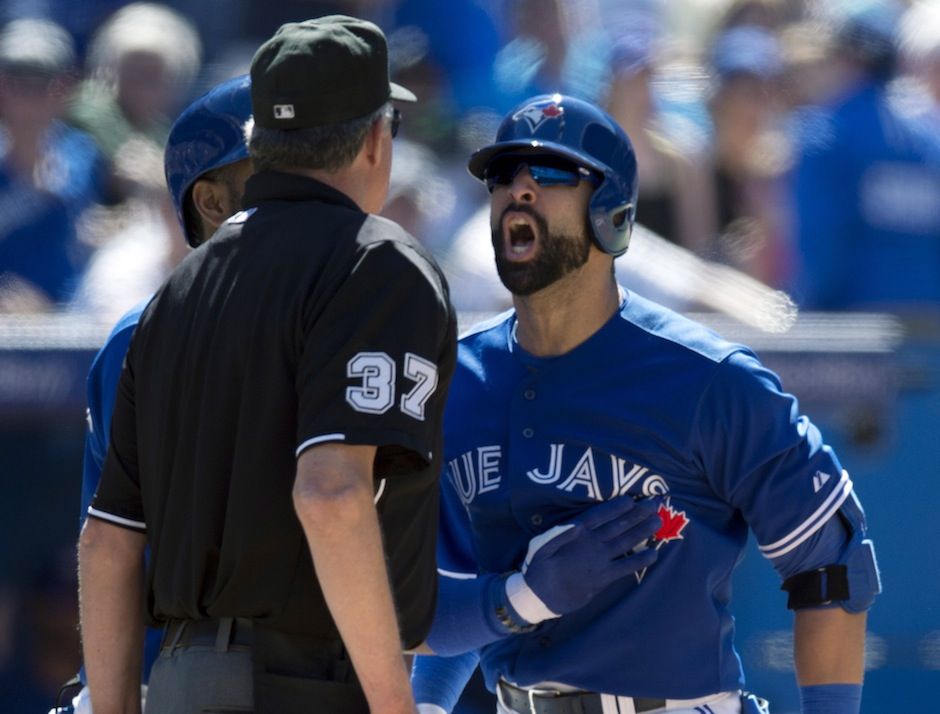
523, 188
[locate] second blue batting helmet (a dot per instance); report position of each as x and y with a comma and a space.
209, 134
580, 132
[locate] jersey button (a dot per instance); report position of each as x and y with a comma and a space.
528, 432
545, 641
536, 520
529, 394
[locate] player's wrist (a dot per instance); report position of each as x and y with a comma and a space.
831, 698
523, 600
510, 619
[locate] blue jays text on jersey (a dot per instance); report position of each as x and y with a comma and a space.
651, 404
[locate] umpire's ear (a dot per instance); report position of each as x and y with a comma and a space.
374, 146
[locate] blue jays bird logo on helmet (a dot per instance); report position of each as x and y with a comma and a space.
578, 131
535, 114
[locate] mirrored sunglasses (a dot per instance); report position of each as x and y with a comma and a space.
545, 169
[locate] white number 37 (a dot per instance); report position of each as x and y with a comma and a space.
376, 393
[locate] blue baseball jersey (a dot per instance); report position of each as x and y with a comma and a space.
101, 388
651, 404
102, 385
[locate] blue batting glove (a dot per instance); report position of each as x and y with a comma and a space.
568, 565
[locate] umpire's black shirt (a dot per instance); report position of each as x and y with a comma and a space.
303, 321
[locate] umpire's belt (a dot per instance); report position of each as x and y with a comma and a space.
221, 633
550, 701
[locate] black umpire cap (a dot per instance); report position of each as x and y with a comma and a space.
319, 72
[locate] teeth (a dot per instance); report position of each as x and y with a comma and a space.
521, 236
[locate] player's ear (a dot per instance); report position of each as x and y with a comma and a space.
210, 200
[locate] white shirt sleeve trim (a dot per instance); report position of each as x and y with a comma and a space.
139, 525
812, 524
323, 438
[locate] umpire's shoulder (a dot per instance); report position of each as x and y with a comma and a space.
386, 241
376, 229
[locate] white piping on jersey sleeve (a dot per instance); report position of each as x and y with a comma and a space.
455, 575
812, 524
118, 520
323, 438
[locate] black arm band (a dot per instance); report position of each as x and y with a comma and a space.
821, 586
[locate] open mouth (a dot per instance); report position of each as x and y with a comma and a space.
520, 235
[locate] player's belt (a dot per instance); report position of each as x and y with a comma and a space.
551, 701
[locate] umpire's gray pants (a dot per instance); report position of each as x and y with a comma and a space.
198, 679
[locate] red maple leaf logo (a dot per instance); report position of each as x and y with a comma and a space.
552, 111
674, 522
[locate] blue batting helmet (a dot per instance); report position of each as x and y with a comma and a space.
209, 134
579, 131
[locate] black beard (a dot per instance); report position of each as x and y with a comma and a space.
558, 255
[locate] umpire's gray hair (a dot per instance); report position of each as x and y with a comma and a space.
327, 148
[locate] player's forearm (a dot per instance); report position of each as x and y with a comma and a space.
342, 529
439, 681
110, 591
467, 615
829, 646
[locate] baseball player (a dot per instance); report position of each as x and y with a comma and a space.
206, 164
573, 415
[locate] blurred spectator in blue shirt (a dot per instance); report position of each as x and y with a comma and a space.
557, 46
49, 173
461, 38
867, 184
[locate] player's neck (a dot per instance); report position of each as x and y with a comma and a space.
557, 319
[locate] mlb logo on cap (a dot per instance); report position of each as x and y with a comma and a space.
283, 111
321, 72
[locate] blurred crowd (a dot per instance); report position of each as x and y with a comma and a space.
795, 142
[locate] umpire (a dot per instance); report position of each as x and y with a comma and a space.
278, 420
